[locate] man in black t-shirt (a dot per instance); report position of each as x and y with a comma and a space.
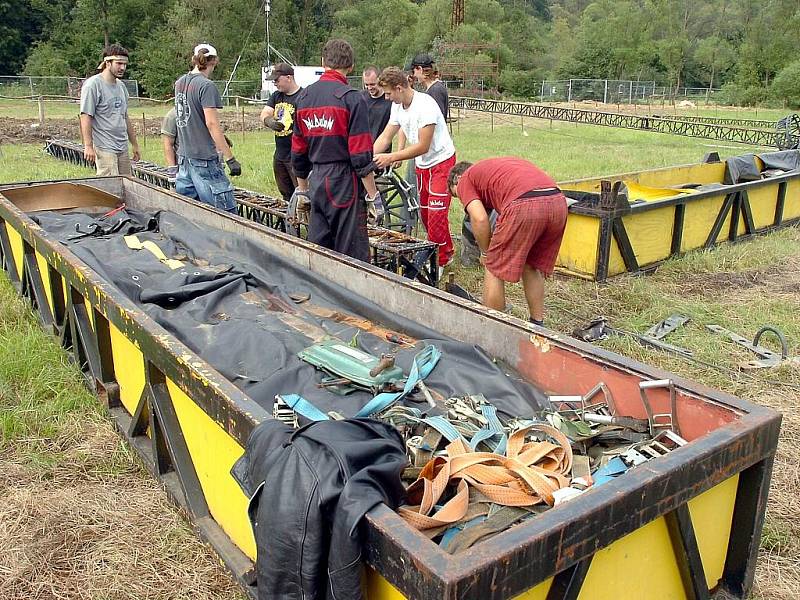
278, 115
378, 106
425, 72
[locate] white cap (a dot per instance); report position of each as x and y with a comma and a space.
210, 50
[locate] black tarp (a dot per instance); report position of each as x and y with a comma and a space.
234, 304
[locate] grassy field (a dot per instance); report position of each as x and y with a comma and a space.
55, 442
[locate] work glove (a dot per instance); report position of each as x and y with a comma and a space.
299, 207
234, 166
273, 124
375, 209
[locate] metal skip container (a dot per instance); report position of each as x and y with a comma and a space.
685, 525
632, 222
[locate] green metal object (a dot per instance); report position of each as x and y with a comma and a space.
339, 359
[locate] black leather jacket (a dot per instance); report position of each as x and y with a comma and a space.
309, 489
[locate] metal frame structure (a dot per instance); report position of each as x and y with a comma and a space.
712, 131
557, 555
399, 252
730, 121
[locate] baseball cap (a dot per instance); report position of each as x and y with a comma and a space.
210, 50
280, 69
422, 60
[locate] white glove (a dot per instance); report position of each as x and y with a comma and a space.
375, 209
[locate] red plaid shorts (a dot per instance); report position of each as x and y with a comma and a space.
528, 232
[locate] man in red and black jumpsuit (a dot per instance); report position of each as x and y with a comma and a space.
332, 142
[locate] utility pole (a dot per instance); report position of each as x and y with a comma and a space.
267, 9
457, 16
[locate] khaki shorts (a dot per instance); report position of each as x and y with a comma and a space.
112, 163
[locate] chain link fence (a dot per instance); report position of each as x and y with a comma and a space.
615, 91
22, 86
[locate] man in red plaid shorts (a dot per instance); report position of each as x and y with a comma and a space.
428, 142
532, 217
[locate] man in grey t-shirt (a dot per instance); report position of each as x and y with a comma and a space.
200, 137
105, 127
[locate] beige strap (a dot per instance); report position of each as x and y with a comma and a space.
528, 475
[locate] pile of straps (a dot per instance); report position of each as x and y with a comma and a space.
486, 479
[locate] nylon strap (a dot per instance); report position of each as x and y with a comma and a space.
423, 364
528, 474
304, 408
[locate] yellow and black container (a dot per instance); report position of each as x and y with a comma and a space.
634, 221
686, 526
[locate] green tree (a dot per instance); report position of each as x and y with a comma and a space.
384, 40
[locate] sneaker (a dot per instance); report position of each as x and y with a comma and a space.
445, 266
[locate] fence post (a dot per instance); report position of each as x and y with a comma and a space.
605, 93
630, 94
541, 94
41, 112
569, 91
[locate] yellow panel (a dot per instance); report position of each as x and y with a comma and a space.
699, 219
44, 271
128, 369
762, 203
213, 453
712, 515
89, 312
791, 206
637, 191
17, 248
650, 234
659, 178
537, 593
380, 589
578, 253
639, 565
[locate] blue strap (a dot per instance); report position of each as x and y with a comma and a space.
304, 408
493, 434
443, 426
423, 364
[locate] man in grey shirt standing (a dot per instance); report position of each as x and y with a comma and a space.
105, 126
200, 137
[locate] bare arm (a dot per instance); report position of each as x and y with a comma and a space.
480, 224
266, 113
215, 129
86, 133
132, 138
169, 150
412, 151
369, 185
385, 138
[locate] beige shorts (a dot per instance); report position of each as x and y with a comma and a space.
112, 163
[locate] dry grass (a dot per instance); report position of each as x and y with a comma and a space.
83, 530
80, 517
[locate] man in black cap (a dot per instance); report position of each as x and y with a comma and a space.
425, 72
278, 115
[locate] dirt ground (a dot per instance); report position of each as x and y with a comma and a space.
20, 131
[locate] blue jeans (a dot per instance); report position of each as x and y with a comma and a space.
205, 180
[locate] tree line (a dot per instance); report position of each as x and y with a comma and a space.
746, 47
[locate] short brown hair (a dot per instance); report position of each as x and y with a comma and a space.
337, 54
457, 171
392, 77
371, 69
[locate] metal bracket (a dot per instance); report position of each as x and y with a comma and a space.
768, 358
654, 336
660, 422
580, 405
